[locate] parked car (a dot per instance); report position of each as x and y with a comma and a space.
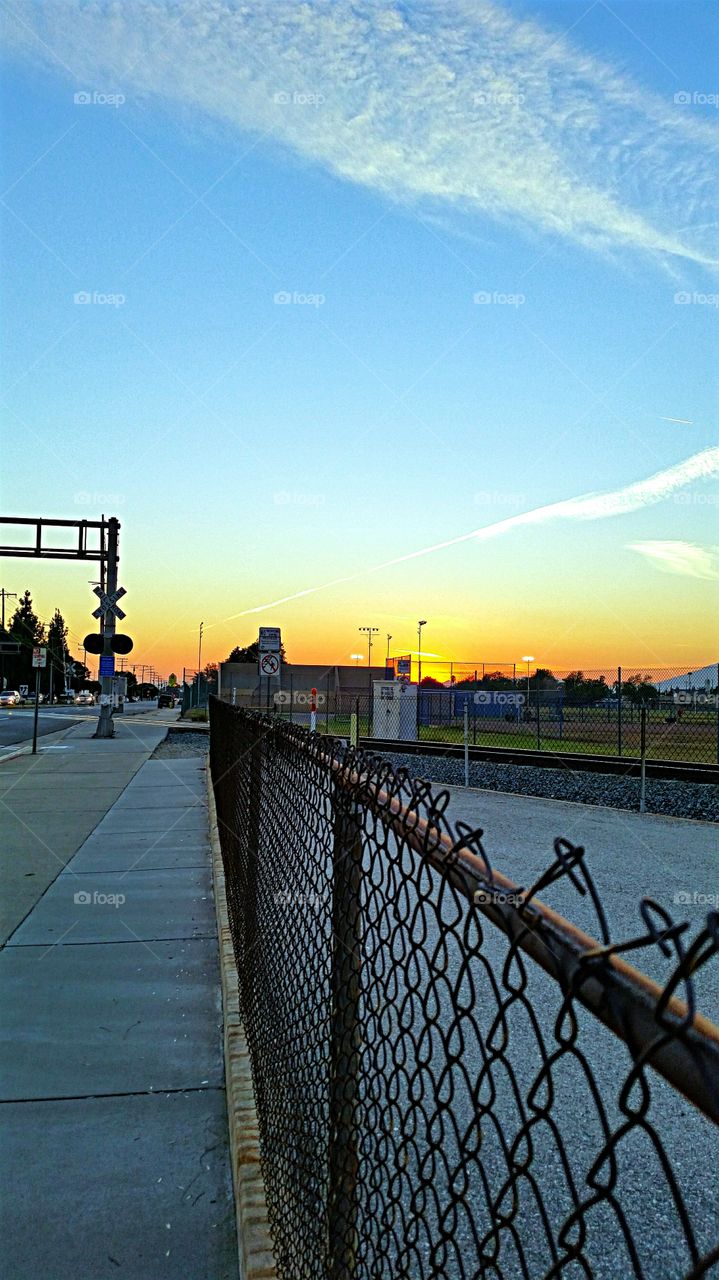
10, 698
66, 699
166, 700
84, 699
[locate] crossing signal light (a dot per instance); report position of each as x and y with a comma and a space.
119, 643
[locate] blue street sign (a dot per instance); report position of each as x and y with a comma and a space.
107, 664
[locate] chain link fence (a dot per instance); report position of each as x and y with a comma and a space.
452, 1080
195, 691
587, 713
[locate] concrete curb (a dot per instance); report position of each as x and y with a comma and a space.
253, 1232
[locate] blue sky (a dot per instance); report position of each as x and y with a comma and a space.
385, 166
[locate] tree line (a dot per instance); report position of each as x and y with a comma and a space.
27, 631
579, 689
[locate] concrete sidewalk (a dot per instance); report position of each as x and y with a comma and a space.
115, 1150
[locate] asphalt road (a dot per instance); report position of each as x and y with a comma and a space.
16, 722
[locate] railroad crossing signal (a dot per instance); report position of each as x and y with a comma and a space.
108, 603
269, 664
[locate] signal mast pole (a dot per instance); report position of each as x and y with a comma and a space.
105, 727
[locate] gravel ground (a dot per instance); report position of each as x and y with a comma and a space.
674, 799
183, 742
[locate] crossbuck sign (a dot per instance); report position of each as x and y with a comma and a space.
108, 603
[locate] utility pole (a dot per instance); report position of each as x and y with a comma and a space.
105, 727
199, 662
6, 595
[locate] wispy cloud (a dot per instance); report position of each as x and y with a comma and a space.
455, 103
685, 558
590, 506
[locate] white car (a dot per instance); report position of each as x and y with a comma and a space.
10, 698
84, 699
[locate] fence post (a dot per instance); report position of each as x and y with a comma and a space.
539, 731
466, 743
345, 1038
643, 753
717, 696
619, 711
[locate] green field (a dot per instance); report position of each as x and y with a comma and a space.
692, 739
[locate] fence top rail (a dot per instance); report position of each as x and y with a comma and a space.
660, 1028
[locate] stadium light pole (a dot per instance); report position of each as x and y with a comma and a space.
370, 631
422, 623
388, 640
528, 657
357, 657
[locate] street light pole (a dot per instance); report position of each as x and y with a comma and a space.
388, 640
199, 662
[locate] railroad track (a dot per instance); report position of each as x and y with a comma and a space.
626, 766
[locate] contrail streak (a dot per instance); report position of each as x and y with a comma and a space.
590, 506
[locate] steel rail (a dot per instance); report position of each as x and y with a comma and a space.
629, 766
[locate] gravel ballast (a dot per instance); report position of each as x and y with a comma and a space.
182, 743
673, 799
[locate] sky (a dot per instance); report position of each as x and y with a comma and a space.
355, 314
